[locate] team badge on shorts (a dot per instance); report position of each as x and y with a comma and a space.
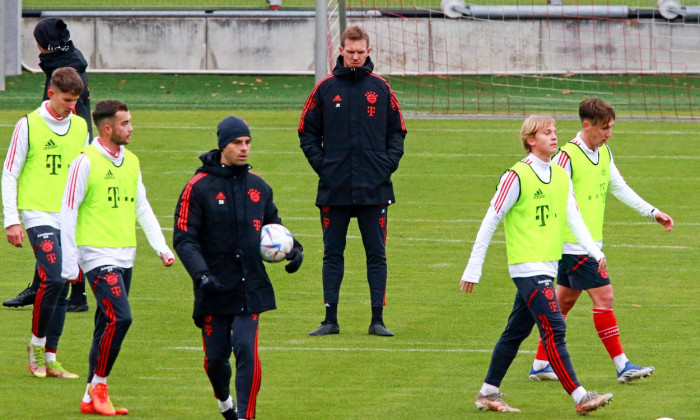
111, 278
46, 245
548, 293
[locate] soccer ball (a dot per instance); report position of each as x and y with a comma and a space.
275, 242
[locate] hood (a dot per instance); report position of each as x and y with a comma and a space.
211, 164
71, 58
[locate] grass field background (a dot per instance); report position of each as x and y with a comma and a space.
436, 363
646, 96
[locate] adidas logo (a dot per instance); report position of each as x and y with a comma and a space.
538, 194
221, 197
109, 174
337, 99
50, 145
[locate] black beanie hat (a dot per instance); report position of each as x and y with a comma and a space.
229, 129
52, 34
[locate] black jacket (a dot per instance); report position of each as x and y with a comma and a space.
217, 231
352, 134
71, 58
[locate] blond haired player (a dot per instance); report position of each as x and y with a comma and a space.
536, 202
589, 162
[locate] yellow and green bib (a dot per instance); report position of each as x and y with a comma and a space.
107, 215
43, 177
591, 182
535, 224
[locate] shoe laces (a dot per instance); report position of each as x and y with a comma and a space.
38, 353
588, 397
99, 391
495, 396
56, 365
26, 291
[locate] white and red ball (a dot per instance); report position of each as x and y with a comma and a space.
275, 242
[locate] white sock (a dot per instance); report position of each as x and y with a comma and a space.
49, 357
226, 405
487, 389
36, 341
620, 361
578, 394
99, 380
87, 398
539, 364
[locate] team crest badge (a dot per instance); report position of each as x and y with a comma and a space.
46, 245
371, 97
111, 278
548, 293
254, 195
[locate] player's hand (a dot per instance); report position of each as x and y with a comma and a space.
664, 220
466, 287
295, 258
15, 235
208, 284
601, 268
167, 258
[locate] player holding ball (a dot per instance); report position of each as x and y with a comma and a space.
218, 220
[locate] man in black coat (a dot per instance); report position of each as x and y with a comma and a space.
57, 50
218, 219
352, 134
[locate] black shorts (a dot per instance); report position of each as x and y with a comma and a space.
580, 272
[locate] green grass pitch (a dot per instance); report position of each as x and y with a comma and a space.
436, 363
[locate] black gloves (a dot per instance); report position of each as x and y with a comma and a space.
295, 258
208, 284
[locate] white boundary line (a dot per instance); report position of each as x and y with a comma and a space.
461, 221
468, 241
423, 154
356, 349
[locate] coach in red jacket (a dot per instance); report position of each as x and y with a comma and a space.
217, 237
352, 134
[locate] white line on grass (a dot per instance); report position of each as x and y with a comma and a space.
423, 154
416, 129
446, 240
460, 221
443, 240
354, 349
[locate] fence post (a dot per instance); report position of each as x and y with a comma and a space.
321, 46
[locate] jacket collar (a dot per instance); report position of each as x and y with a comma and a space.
211, 164
345, 72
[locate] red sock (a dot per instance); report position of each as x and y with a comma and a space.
609, 333
541, 353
